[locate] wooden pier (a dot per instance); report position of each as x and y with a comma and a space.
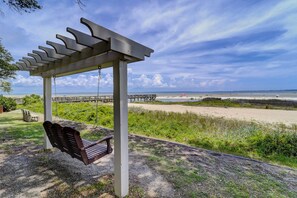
104, 99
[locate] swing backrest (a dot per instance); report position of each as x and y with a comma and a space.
58, 133
47, 125
75, 144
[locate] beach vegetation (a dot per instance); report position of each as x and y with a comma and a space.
240, 103
32, 99
7, 70
273, 143
188, 177
8, 104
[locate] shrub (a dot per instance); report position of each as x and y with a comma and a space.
277, 143
8, 104
33, 98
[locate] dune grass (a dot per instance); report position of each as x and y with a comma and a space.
239, 103
272, 143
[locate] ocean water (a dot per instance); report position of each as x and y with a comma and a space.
197, 96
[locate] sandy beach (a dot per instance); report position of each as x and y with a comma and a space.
258, 115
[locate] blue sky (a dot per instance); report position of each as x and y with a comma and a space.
215, 45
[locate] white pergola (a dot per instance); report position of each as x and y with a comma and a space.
103, 48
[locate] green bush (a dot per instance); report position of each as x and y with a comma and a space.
276, 143
8, 104
33, 98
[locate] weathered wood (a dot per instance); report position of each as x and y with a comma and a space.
69, 140
28, 117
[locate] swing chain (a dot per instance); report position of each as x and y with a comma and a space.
97, 97
56, 102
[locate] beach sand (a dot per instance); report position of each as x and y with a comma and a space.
248, 114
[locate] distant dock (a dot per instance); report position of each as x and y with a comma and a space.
104, 99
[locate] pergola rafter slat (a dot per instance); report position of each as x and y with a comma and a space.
70, 43
51, 52
103, 48
60, 49
43, 56
20, 65
33, 62
82, 38
37, 58
28, 64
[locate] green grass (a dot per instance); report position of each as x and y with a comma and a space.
272, 143
189, 180
230, 103
193, 178
17, 132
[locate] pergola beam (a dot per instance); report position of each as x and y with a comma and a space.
89, 64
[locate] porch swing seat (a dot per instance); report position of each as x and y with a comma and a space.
69, 140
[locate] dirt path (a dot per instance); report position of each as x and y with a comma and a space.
259, 115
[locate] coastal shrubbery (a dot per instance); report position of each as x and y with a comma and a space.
8, 104
33, 98
245, 103
276, 143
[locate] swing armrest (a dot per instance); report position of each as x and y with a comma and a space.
107, 139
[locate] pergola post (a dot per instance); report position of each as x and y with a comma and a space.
121, 162
47, 102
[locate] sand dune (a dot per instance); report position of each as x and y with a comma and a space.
259, 115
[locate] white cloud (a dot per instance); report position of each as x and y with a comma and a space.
20, 80
214, 82
193, 40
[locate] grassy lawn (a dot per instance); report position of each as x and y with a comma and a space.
18, 133
189, 178
271, 143
205, 176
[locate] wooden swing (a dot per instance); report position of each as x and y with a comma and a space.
68, 140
